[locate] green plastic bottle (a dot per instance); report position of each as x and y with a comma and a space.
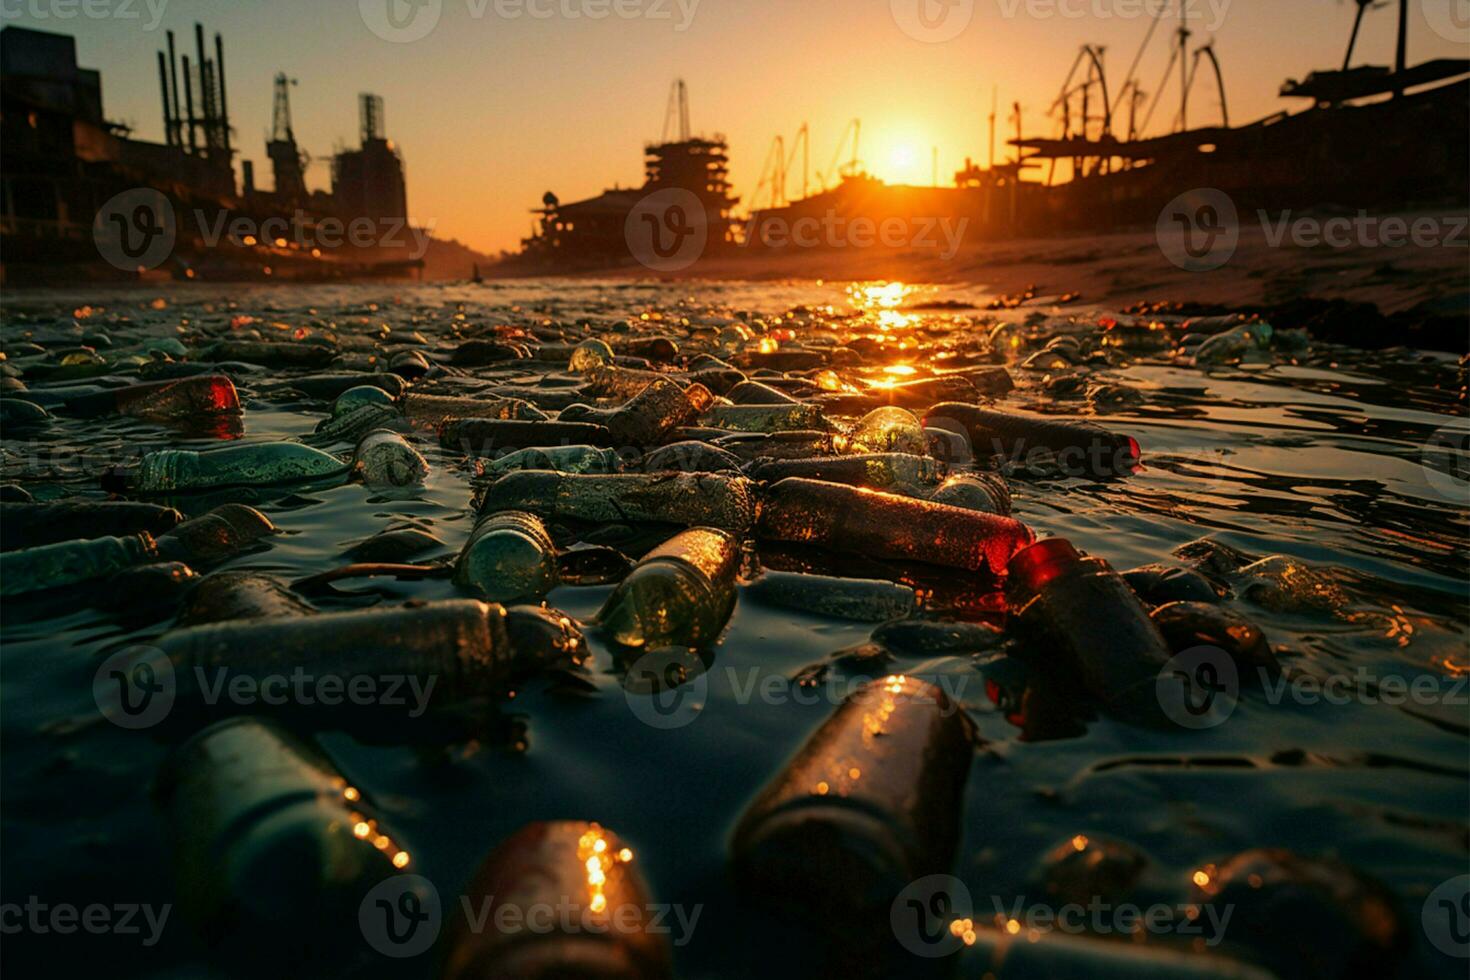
69, 562
680, 595
509, 556
253, 465
354, 398
560, 459
274, 851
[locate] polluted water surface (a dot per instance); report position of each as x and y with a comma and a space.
758, 608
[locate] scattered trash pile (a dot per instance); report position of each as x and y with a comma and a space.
691, 465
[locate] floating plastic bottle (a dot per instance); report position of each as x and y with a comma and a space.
222, 533
690, 499
589, 355
489, 437
508, 556
983, 492
681, 594
350, 427
409, 364
559, 459
1233, 344
187, 398
385, 459
1079, 448
355, 398
869, 804
886, 525
799, 444
611, 381
25, 524
269, 353
1158, 584
1285, 584
689, 456
1309, 917
605, 931
1076, 611
53, 566
274, 851
328, 387
250, 465
877, 470
1193, 624
434, 410
756, 393
767, 418
888, 430
438, 656
233, 595
858, 599
145, 593
652, 415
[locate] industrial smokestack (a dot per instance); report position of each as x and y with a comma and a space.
189, 107
224, 106
173, 67
168, 123
206, 111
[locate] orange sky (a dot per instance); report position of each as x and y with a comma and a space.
494, 106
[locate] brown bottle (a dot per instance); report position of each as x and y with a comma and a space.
652, 416
869, 804
1078, 612
887, 525
577, 878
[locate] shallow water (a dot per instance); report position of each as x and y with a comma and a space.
1331, 456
